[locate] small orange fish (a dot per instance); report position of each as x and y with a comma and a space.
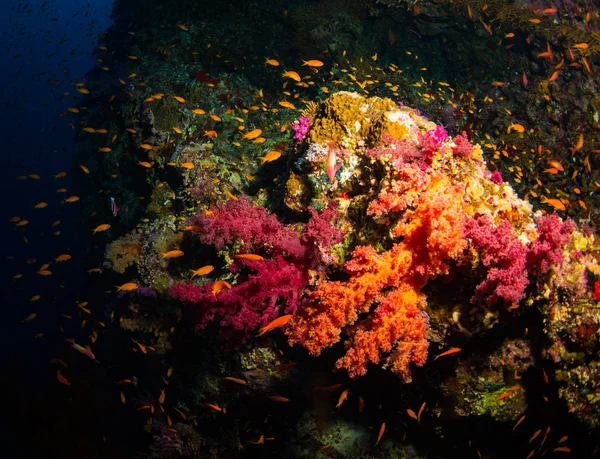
84, 169
249, 257
213, 407
342, 398
535, 435
30, 317
181, 100
40, 205
516, 127
202, 271
271, 156
562, 449
145, 164
87, 351
286, 104
553, 77
292, 74
235, 380
521, 419
211, 133
72, 199
62, 379
277, 323
162, 397
421, 411
101, 228
549, 11
381, 430
278, 398
105, 149
412, 414
557, 204
187, 165
454, 350
581, 46
63, 257
123, 399
260, 441
146, 146
578, 145
127, 287
313, 63
220, 285
272, 62
252, 134
198, 111
173, 254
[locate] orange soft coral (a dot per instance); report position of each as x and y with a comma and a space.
432, 234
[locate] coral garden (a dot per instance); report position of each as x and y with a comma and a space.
392, 261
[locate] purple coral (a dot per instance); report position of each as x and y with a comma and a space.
504, 256
301, 128
547, 250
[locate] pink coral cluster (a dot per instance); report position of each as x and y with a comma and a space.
547, 250
266, 288
301, 128
505, 258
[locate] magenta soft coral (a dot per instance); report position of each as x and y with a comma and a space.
504, 256
263, 289
267, 289
251, 225
547, 250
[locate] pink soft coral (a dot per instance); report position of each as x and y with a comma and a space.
547, 250
265, 289
504, 256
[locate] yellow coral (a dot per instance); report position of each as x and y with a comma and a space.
123, 252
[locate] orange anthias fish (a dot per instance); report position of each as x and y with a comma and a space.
101, 228
293, 75
84, 350
277, 323
578, 145
173, 254
202, 271
252, 134
235, 380
249, 257
219, 285
127, 287
271, 156
454, 350
62, 379
343, 397
313, 63
381, 430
